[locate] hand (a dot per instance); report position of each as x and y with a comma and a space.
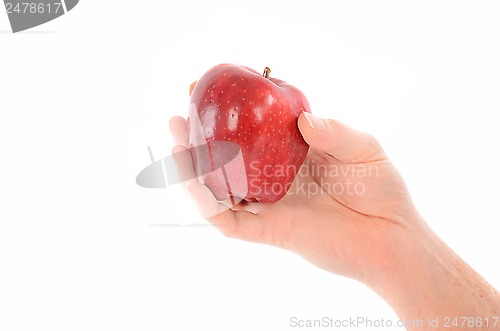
347, 211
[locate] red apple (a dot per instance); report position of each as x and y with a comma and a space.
233, 106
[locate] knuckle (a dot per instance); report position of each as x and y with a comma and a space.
335, 126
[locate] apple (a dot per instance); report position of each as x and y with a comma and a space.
235, 107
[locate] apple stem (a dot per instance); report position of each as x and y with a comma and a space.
266, 73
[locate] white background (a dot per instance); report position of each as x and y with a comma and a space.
82, 96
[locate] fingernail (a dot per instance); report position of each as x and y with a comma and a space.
315, 122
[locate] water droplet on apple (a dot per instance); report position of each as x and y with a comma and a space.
258, 114
208, 120
270, 99
232, 119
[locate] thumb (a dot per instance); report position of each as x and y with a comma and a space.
338, 140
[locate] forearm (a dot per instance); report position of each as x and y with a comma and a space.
431, 282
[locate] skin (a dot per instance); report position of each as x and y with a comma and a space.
257, 113
374, 235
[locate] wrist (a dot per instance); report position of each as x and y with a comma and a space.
428, 280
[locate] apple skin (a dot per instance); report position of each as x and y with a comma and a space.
258, 114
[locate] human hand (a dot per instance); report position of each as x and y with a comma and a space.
347, 211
